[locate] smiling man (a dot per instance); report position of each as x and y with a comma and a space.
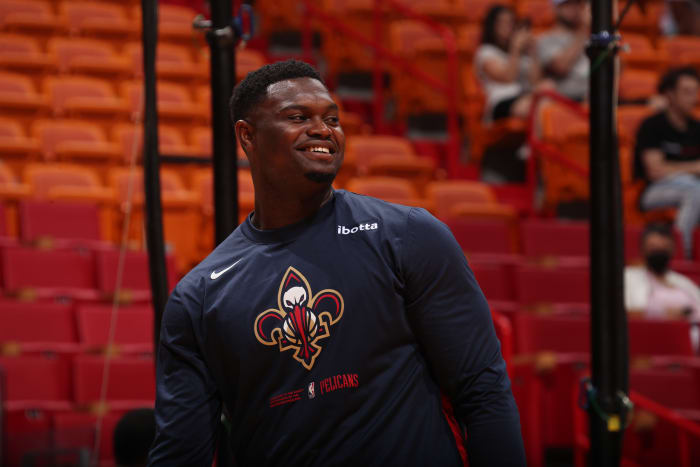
329, 326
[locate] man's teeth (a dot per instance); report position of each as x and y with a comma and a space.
319, 149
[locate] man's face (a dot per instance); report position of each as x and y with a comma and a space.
570, 13
684, 97
295, 136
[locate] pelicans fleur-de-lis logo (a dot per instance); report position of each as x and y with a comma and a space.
301, 319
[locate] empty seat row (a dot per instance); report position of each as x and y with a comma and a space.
64, 329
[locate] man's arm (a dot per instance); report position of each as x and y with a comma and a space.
560, 64
452, 322
658, 167
188, 406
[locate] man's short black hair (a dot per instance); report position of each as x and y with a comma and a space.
133, 437
253, 89
656, 228
670, 80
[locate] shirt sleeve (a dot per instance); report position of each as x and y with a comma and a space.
453, 325
188, 406
648, 136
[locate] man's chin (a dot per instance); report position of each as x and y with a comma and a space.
320, 177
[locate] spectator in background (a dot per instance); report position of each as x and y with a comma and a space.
561, 51
506, 65
667, 154
133, 437
653, 290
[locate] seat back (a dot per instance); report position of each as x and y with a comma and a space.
134, 325
63, 220
550, 333
28, 268
67, 50
136, 272
541, 238
549, 285
63, 89
26, 8
638, 85
18, 44
659, 337
130, 379
51, 133
476, 236
387, 188
445, 194
36, 379
14, 83
43, 177
51, 323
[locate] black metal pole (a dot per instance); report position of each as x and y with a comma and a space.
608, 320
151, 170
221, 42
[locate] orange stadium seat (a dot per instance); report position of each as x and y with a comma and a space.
81, 96
73, 183
19, 98
641, 54
68, 223
133, 332
417, 170
98, 19
75, 141
89, 56
131, 383
248, 60
394, 190
685, 50
31, 272
445, 194
175, 104
136, 285
11, 192
359, 150
21, 333
181, 218
629, 117
170, 141
201, 139
638, 85
539, 12
203, 184
35, 17
22, 53
475, 11
173, 63
643, 22
16, 149
175, 24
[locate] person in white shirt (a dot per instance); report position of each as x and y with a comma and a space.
506, 65
653, 290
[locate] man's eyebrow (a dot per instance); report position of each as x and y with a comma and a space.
331, 106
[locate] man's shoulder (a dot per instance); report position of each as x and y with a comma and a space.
359, 204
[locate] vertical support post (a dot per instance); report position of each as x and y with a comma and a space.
377, 73
225, 162
151, 170
609, 359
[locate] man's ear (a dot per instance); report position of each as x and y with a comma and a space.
244, 135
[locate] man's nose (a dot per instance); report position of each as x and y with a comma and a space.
318, 128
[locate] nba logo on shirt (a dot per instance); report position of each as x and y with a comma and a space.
312, 393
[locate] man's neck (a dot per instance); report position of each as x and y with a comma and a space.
677, 119
274, 209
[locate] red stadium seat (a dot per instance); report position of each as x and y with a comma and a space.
542, 285
36, 382
131, 381
35, 327
495, 280
133, 333
649, 337
69, 223
482, 236
76, 431
543, 238
551, 333
52, 273
135, 280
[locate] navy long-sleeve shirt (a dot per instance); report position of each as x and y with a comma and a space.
329, 342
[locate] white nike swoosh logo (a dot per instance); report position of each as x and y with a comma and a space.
215, 275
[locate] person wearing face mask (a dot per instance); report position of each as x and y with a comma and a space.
562, 50
653, 290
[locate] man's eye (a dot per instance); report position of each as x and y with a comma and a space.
297, 118
333, 120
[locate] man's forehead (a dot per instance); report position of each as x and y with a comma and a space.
294, 90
